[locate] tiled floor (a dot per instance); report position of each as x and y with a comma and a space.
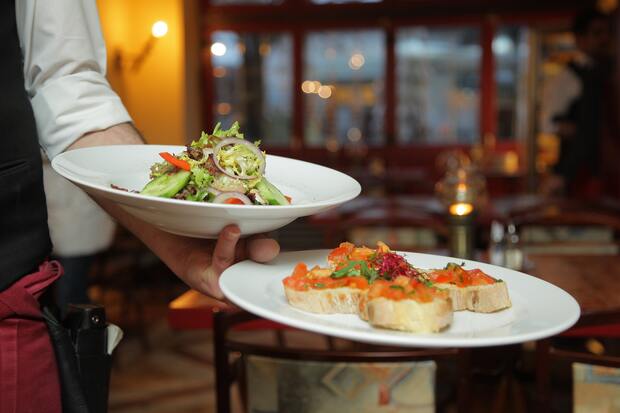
175, 375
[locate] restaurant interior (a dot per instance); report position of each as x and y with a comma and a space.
443, 111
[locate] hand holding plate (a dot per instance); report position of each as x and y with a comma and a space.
203, 268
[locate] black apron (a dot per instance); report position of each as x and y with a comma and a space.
24, 236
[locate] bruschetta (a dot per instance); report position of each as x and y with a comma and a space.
406, 304
317, 291
337, 288
471, 290
387, 291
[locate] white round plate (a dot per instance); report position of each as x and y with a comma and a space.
313, 188
539, 309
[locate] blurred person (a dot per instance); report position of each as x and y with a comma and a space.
573, 107
79, 230
55, 95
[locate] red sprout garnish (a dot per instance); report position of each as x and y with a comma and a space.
390, 265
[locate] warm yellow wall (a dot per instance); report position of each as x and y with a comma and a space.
155, 94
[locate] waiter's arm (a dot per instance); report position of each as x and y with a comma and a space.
74, 106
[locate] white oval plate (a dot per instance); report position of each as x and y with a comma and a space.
539, 309
313, 188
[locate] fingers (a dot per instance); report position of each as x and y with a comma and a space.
204, 275
224, 252
223, 257
262, 249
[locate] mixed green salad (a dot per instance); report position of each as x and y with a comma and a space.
221, 167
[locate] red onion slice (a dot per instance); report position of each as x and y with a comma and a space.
250, 146
207, 151
221, 198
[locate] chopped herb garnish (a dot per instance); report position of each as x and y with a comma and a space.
356, 269
319, 285
345, 270
454, 266
397, 287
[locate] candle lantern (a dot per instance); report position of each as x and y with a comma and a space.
462, 191
461, 220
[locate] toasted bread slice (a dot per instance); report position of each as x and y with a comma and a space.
325, 301
471, 290
406, 304
486, 298
408, 314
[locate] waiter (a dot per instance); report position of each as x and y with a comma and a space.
573, 105
54, 95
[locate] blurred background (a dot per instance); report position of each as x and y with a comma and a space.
369, 87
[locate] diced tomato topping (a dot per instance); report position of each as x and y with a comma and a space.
361, 254
300, 270
404, 288
461, 277
340, 254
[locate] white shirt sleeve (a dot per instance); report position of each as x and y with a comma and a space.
558, 94
64, 71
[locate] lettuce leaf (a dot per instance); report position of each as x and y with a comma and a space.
210, 140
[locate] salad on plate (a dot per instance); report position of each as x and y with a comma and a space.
222, 167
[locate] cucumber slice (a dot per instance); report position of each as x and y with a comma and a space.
270, 193
167, 185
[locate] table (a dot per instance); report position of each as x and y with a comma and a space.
591, 279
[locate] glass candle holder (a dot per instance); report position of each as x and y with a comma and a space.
461, 220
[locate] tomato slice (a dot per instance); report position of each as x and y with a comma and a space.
235, 201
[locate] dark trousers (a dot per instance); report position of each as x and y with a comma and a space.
72, 287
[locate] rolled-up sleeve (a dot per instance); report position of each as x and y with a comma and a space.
64, 71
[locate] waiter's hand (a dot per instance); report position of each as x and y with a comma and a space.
204, 266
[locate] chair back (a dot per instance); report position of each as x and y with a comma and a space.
568, 226
401, 226
276, 377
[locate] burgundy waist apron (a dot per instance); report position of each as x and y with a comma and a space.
29, 380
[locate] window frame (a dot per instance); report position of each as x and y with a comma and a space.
298, 17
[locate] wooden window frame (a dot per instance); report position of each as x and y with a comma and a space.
298, 17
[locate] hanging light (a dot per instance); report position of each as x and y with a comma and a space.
218, 49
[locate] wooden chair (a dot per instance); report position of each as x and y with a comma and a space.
572, 214
229, 372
